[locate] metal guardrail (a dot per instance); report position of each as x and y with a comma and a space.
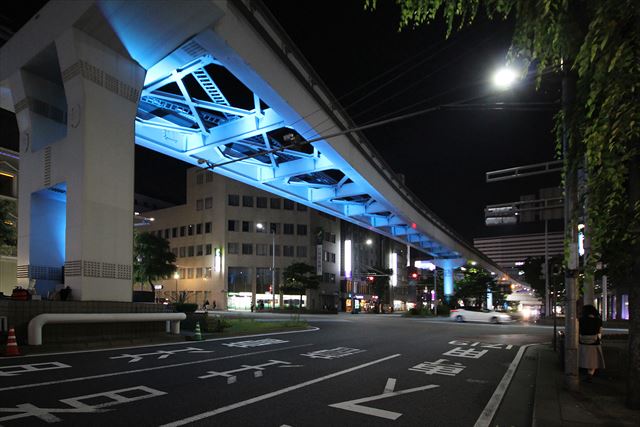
36, 324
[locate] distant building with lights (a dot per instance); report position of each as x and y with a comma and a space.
223, 256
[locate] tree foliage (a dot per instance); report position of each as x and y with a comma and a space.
473, 287
298, 278
8, 223
152, 258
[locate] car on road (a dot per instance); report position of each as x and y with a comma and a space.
472, 314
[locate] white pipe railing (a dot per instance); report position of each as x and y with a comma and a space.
36, 324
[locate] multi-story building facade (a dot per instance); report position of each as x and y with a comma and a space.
227, 237
366, 253
9, 163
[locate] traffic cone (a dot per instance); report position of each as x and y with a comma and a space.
12, 345
198, 335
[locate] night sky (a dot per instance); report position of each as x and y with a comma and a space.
377, 72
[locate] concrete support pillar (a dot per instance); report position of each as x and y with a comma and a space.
76, 111
448, 282
448, 265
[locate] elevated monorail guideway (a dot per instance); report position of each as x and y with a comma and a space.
225, 89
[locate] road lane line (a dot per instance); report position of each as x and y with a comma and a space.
155, 368
247, 402
484, 420
310, 329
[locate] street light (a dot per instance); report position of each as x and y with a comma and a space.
176, 276
261, 226
504, 78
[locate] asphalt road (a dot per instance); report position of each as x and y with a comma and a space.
369, 370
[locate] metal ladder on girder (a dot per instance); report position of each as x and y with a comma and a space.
211, 88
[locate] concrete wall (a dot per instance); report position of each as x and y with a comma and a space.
19, 314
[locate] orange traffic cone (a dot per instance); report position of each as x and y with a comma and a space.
12, 345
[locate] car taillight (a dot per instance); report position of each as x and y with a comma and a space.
454, 311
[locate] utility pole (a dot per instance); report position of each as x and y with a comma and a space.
571, 379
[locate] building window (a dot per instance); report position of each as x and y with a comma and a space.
302, 229
301, 252
274, 227
325, 256
247, 249
302, 208
189, 273
199, 204
247, 226
183, 252
198, 273
208, 249
233, 200
183, 273
238, 279
198, 228
287, 205
262, 229
166, 233
190, 251
207, 272
262, 249
208, 202
199, 178
199, 250
183, 231
275, 203
190, 229
174, 251
329, 237
232, 248
207, 227
287, 250
261, 202
328, 277
174, 232
288, 228
232, 225
247, 201
277, 250
209, 177
333, 257
263, 279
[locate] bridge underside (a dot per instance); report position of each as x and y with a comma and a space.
195, 108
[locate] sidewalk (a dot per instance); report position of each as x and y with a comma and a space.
537, 397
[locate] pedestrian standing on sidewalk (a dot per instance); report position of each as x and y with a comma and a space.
591, 357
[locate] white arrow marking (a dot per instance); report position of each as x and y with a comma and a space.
354, 405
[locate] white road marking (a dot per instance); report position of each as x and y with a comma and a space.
155, 368
77, 405
162, 354
439, 367
247, 402
390, 386
256, 369
333, 353
489, 411
254, 343
13, 370
354, 405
